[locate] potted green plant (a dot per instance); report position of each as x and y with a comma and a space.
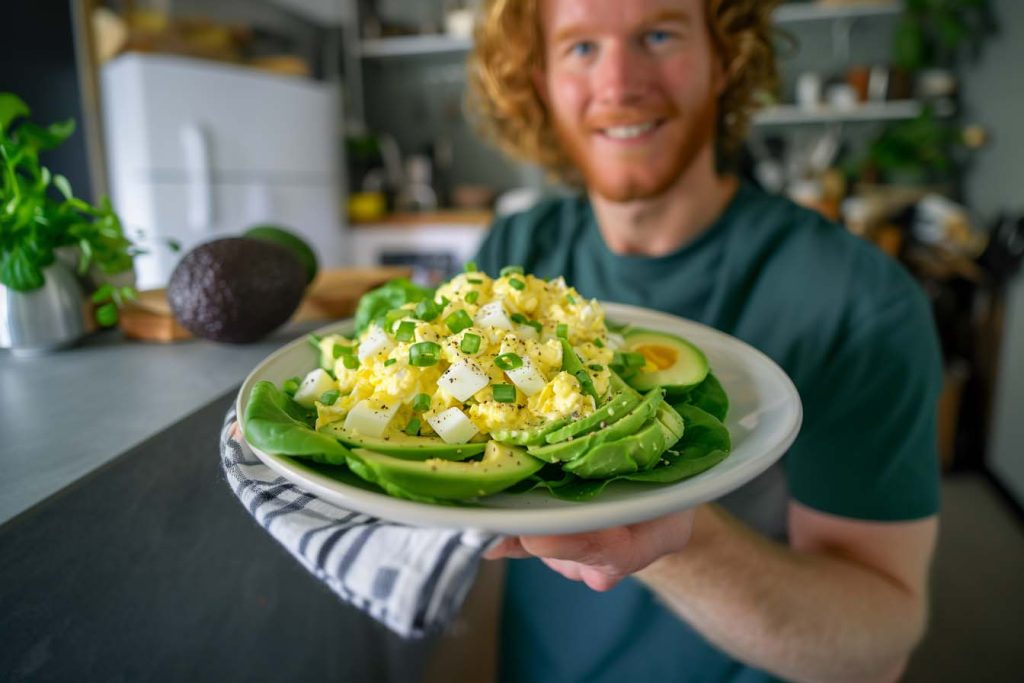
934, 33
42, 221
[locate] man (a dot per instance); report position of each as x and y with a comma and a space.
817, 570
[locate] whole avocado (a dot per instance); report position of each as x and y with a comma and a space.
236, 289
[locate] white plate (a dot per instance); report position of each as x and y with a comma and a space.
764, 418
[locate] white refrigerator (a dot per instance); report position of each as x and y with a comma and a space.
198, 150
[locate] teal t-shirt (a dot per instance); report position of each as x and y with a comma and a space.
849, 326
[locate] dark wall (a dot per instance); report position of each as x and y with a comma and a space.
37, 63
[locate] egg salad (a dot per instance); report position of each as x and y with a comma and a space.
485, 355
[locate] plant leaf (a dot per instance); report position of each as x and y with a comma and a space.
11, 107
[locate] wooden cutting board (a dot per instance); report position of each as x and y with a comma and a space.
332, 295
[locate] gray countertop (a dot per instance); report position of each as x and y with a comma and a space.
65, 414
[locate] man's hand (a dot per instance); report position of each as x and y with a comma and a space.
601, 559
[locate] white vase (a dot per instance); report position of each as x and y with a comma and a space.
45, 319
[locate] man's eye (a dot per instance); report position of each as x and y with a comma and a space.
583, 48
657, 37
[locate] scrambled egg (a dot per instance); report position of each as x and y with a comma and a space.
515, 317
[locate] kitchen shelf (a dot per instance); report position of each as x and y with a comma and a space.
786, 115
434, 44
411, 46
791, 13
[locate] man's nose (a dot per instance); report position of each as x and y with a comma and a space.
621, 76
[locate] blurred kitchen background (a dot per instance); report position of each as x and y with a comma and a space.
344, 121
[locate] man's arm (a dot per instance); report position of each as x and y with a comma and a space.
847, 601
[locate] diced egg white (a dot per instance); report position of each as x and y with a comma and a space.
493, 315
527, 377
526, 331
616, 340
312, 387
463, 378
453, 426
370, 417
375, 341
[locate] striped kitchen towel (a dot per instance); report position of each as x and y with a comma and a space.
411, 579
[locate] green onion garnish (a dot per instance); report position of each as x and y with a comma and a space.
470, 267
517, 284
389, 362
598, 343
472, 297
329, 397
571, 299
562, 331
511, 270
313, 340
406, 331
351, 362
338, 350
444, 301
470, 343
291, 385
595, 367
424, 354
421, 402
427, 310
474, 281
503, 393
413, 428
458, 321
519, 318
508, 361
634, 360
535, 325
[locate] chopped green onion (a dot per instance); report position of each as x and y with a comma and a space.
503, 393
424, 354
427, 310
291, 385
571, 299
406, 331
393, 316
511, 270
389, 362
444, 301
472, 297
329, 397
508, 361
458, 321
595, 367
470, 267
470, 343
351, 362
474, 281
562, 331
339, 350
519, 318
413, 428
598, 343
535, 325
517, 284
421, 402
313, 340
634, 360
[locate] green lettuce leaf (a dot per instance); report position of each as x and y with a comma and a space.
276, 424
375, 304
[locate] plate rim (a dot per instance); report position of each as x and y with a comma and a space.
588, 516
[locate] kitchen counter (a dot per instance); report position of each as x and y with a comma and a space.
125, 554
65, 414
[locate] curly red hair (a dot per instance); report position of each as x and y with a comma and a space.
508, 50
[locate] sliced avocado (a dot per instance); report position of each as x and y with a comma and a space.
501, 467
405, 446
528, 437
629, 454
672, 362
672, 422
621, 401
570, 449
